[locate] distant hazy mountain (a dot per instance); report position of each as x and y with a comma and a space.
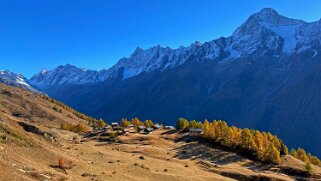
16, 80
266, 75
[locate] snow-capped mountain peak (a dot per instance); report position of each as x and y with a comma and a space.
266, 16
276, 32
13, 79
43, 71
264, 32
65, 74
269, 15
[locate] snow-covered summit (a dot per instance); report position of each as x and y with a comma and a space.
66, 74
13, 79
268, 31
265, 32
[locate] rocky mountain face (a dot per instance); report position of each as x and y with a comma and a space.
16, 80
263, 33
266, 76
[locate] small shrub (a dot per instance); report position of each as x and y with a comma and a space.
113, 134
101, 123
55, 108
61, 163
308, 168
75, 138
79, 128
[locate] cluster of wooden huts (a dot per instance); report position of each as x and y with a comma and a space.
115, 127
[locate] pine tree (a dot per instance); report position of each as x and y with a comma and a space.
206, 130
284, 149
210, 135
55, 108
272, 155
199, 125
65, 126
301, 155
182, 124
136, 122
245, 137
213, 135
193, 124
124, 123
227, 139
149, 123
258, 139
293, 153
308, 168
314, 160
222, 128
101, 123
236, 136
276, 142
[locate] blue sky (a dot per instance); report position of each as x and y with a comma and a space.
95, 34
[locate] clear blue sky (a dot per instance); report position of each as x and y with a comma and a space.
38, 34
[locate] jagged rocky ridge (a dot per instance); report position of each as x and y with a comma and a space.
16, 80
263, 33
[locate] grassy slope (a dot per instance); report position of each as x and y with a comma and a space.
27, 156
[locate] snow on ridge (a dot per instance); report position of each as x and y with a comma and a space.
21, 81
264, 31
288, 33
14, 79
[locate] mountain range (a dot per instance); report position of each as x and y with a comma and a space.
16, 80
266, 76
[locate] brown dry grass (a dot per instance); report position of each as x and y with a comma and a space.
137, 157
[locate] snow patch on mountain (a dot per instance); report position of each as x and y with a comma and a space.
20, 80
288, 33
130, 72
17, 80
263, 32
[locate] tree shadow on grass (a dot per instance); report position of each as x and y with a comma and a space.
211, 155
169, 132
205, 151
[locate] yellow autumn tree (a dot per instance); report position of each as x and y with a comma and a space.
182, 124
206, 130
212, 135
245, 138
236, 136
136, 122
258, 139
314, 160
101, 123
227, 138
149, 123
124, 123
293, 153
301, 154
308, 168
272, 155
